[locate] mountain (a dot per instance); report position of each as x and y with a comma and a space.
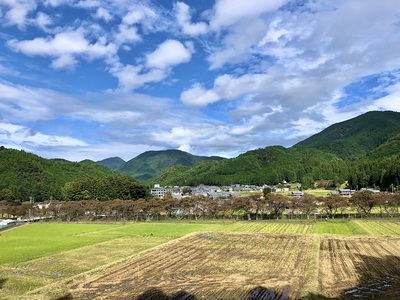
356, 137
365, 151
113, 163
24, 175
149, 164
269, 165
389, 148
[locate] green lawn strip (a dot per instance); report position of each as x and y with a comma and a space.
380, 227
162, 229
338, 227
36, 240
20, 278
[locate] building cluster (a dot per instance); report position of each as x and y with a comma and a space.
212, 192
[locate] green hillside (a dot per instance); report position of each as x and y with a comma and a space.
365, 151
24, 175
356, 137
389, 148
148, 165
113, 163
379, 168
270, 165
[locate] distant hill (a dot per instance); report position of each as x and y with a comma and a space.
149, 164
365, 151
269, 165
356, 137
24, 175
113, 163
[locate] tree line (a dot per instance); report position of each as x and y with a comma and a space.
253, 207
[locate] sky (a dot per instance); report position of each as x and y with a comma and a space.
92, 79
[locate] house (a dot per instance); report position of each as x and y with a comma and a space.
297, 194
162, 191
346, 192
372, 190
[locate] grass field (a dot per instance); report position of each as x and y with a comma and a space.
288, 259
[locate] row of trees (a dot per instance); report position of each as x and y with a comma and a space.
201, 207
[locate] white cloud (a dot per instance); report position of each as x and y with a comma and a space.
228, 12
198, 96
225, 87
156, 67
65, 47
19, 135
133, 17
104, 14
168, 54
17, 11
131, 77
127, 34
184, 20
43, 20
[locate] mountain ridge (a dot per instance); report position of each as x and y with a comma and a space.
150, 164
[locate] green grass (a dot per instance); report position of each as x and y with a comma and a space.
329, 227
37, 240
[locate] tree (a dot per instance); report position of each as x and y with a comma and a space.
267, 190
308, 204
6, 194
332, 204
307, 182
364, 200
276, 204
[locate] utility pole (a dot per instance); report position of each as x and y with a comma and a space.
31, 201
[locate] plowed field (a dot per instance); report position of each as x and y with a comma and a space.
209, 266
360, 267
254, 266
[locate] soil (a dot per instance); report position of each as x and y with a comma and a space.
253, 266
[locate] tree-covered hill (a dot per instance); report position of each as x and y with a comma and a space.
356, 137
24, 175
379, 168
365, 151
113, 163
270, 165
148, 165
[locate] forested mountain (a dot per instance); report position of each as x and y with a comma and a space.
365, 151
24, 175
354, 138
149, 164
270, 165
113, 163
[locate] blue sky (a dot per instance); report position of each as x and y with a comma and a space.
91, 79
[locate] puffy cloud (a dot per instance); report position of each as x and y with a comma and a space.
127, 34
225, 87
228, 12
184, 20
20, 135
64, 47
198, 96
168, 54
17, 11
131, 77
43, 20
156, 67
104, 14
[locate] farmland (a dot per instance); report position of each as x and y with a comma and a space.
202, 260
